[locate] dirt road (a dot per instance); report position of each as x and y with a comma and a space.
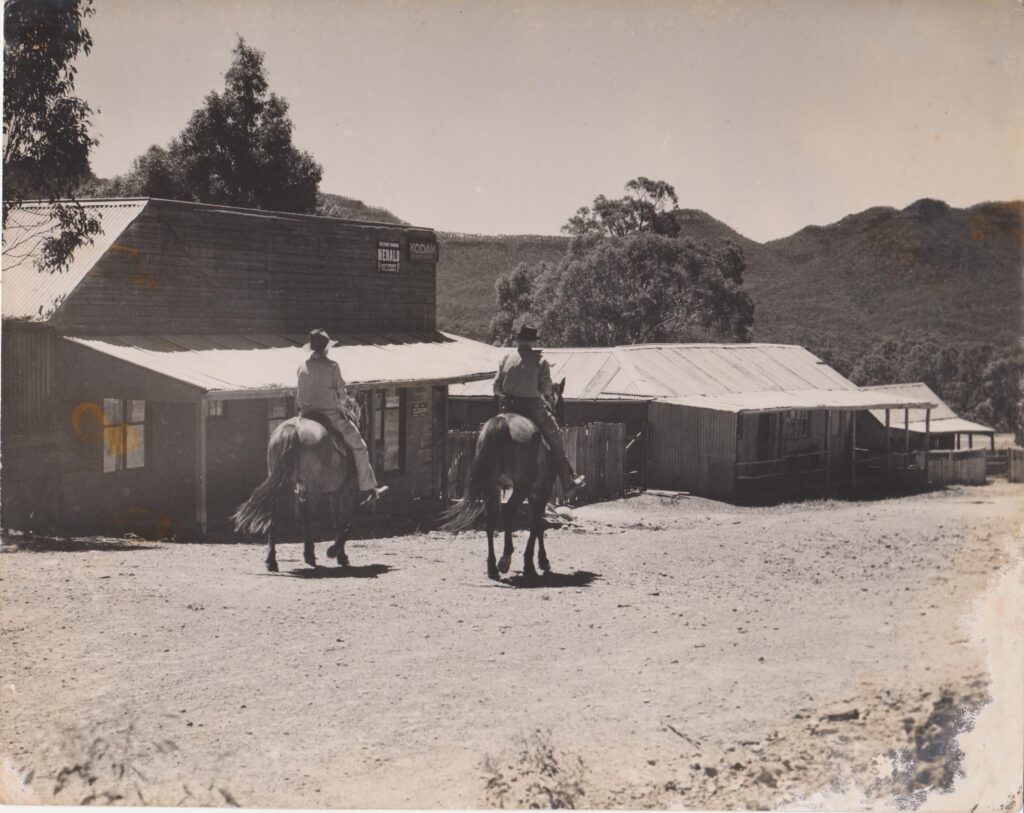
686, 653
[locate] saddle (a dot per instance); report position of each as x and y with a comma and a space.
316, 417
521, 426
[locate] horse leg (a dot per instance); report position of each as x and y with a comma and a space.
271, 560
340, 531
308, 552
508, 519
537, 506
492, 521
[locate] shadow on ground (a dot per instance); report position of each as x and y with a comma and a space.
579, 578
41, 544
335, 572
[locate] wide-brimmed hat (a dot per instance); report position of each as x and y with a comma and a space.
319, 336
527, 333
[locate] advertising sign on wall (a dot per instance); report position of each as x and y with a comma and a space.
388, 257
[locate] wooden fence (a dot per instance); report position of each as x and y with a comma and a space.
597, 450
966, 466
1008, 463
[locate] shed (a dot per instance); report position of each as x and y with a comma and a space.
945, 429
732, 421
140, 386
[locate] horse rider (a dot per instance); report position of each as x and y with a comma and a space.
322, 390
522, 384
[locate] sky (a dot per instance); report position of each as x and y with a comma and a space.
505, 117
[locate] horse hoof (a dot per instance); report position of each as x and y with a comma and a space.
332, 551
492, 573
529, 573
504, 563
272, 567
309, 560
343, 561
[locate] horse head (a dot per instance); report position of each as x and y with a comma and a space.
557, 400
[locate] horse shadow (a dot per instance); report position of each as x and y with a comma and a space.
336, 572
578, 578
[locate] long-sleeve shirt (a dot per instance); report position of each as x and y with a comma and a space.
523, 373
321, 386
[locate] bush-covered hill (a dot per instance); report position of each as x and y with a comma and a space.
882, 273
928, 268
468, 265
330, 205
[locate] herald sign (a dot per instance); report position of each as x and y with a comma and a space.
388, 257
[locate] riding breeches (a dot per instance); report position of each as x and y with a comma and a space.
350, 434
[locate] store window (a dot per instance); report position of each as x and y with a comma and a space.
797, 424
124, 434
389, 411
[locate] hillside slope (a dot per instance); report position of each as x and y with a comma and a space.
929, 268
469, 264
883, 272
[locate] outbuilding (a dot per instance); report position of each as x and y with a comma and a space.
140, 385
943, 427
740, 422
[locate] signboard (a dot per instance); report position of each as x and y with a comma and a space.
388, 257
419, 409
423, 250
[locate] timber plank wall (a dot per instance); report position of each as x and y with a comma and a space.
180, 268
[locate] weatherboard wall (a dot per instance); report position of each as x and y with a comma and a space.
183, 268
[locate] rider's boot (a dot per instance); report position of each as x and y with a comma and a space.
570, 481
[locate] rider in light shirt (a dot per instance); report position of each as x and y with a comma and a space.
321, 389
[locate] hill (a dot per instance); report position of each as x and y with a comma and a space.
928, 268
882, 273
469, 264
330, 205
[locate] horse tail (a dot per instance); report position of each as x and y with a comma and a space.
462, 515
255, 514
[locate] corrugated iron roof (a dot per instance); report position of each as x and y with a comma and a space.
245, 366
671, 370
944, 419
34, 295
783, 400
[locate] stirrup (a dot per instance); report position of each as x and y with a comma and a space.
577, 481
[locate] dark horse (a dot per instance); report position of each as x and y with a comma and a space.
510, 453
304, 460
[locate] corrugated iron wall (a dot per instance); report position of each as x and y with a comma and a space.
692, 450
27, 379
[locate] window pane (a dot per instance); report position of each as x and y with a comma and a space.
112, 411
277, 408
135, 446
392, 431
113, 444
214, 409
136, 411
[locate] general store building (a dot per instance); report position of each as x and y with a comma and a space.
140, 385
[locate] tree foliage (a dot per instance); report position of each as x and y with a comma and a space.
648, 206
235, 150
627, 279
980, 382
46, 127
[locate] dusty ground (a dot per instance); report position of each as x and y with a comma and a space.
689, 654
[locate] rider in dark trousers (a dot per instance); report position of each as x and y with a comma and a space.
523, 380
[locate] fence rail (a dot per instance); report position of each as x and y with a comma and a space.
966, 466
597, 450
